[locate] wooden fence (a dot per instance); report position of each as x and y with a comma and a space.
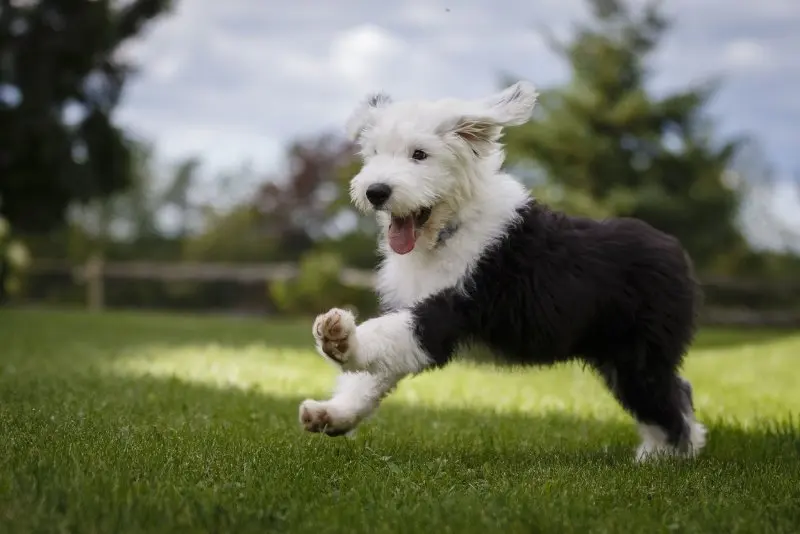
94, 273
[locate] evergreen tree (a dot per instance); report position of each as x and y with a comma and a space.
55, 56
605, 146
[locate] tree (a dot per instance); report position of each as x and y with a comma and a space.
60, 81
14, 258
310, 203
177, 195
132, 215
603, 145
290, 215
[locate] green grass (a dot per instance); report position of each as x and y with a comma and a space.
148, 423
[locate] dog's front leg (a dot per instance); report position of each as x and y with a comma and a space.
356, 397
374, 356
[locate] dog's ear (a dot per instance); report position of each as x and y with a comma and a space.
482, 127
512, 106
480, 132
364, 115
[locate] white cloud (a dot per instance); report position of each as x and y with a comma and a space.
237, 80
771, 218
747, 55
358, 54
284, 72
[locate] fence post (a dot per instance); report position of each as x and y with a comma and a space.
95, 291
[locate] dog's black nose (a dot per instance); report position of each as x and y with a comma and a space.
378, 194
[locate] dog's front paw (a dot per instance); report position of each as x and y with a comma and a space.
334, 332
316, 416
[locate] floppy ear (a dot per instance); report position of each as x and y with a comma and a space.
482, 127
480, 132
364, 115
512, 106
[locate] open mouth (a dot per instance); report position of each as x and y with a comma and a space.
404, 230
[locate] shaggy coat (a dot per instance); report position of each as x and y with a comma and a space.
617, 294
470, 258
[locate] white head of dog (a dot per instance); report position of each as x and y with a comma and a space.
425, 161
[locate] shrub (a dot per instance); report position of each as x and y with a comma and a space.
317, 288
14, 259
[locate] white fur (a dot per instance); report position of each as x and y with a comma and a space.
462, 182
356, 396
403, 280
465, 189
383, 344
380, 352
654, 443
388, 133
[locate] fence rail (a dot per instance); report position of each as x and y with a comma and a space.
94, 272
183, 271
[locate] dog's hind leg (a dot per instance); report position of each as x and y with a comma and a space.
661, 402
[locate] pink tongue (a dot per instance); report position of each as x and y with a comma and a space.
401, 234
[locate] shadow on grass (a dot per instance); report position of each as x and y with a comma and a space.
113, 454
410, 431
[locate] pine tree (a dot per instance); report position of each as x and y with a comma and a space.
605, 146
59, 55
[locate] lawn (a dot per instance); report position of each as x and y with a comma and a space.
134, 422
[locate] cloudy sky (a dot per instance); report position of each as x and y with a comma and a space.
234, 81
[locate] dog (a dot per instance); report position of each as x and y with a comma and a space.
469, 257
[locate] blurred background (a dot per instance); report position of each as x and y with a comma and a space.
188, 155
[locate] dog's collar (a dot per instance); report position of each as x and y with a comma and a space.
447, 232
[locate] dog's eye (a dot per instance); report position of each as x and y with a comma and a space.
419, 155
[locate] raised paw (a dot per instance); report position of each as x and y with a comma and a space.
317, 416
334, 332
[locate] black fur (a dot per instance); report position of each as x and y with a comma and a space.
617, 294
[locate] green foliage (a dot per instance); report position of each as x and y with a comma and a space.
59, 56
604, 146
235, 236
288, 215
130, 423
14, 260
318, 287
356, 249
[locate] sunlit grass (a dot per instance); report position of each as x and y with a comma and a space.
131, 422
739, 382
